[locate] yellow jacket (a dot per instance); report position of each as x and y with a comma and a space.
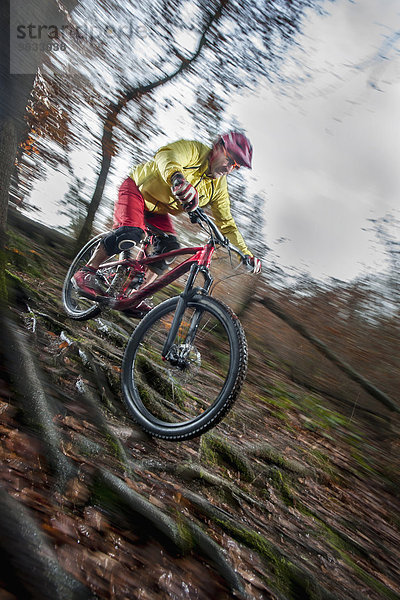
190, 158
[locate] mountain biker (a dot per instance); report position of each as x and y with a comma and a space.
182, 176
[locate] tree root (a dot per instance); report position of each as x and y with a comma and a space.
214, 447
37, 407
103, 346
19, 292
124, 319
270, 455
28, 562
98, 419
100, 379
192, 471
86, 446
93, 404
211, 550
292, 579
347, 543
112, 331
57, 326
116, 496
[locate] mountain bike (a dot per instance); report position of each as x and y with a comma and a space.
186, 361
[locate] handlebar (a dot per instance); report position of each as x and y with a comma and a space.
198, 215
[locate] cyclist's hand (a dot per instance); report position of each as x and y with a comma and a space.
184, 192
194, 217
252, 263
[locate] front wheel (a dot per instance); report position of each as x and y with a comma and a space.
187, 393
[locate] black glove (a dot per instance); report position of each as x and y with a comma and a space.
252, 263
194, 217
184, 192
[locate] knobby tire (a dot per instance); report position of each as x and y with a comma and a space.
75, 306
179, 404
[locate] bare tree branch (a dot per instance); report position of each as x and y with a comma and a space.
111, 119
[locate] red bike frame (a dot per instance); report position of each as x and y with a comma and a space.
201, 256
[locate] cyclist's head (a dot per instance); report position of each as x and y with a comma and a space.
231, 151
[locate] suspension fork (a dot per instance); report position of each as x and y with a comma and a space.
183, 301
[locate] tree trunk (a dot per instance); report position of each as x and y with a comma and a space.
16, 90
107, 152
8, 147
111, 119
28, 557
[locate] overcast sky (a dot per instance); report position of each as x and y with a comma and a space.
326, 141
327, 144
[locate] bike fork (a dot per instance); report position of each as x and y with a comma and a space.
183, 301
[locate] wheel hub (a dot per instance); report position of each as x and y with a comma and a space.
184, 357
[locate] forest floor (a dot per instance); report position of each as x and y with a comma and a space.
290, 497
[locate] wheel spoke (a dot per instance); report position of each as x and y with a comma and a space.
76, 305
192, 385
189, 391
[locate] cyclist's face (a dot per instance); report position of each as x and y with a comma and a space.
221, 163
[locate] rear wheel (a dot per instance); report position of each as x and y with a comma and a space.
76, 306
186, 394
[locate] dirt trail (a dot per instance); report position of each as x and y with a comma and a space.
286, 498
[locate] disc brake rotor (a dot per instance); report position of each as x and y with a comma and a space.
190, 363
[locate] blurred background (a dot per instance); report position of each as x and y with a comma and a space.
306, 466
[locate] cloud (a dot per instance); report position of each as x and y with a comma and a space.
326, 152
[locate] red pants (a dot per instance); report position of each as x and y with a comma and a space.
130, 210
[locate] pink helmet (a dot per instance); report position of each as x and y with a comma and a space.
238, 146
